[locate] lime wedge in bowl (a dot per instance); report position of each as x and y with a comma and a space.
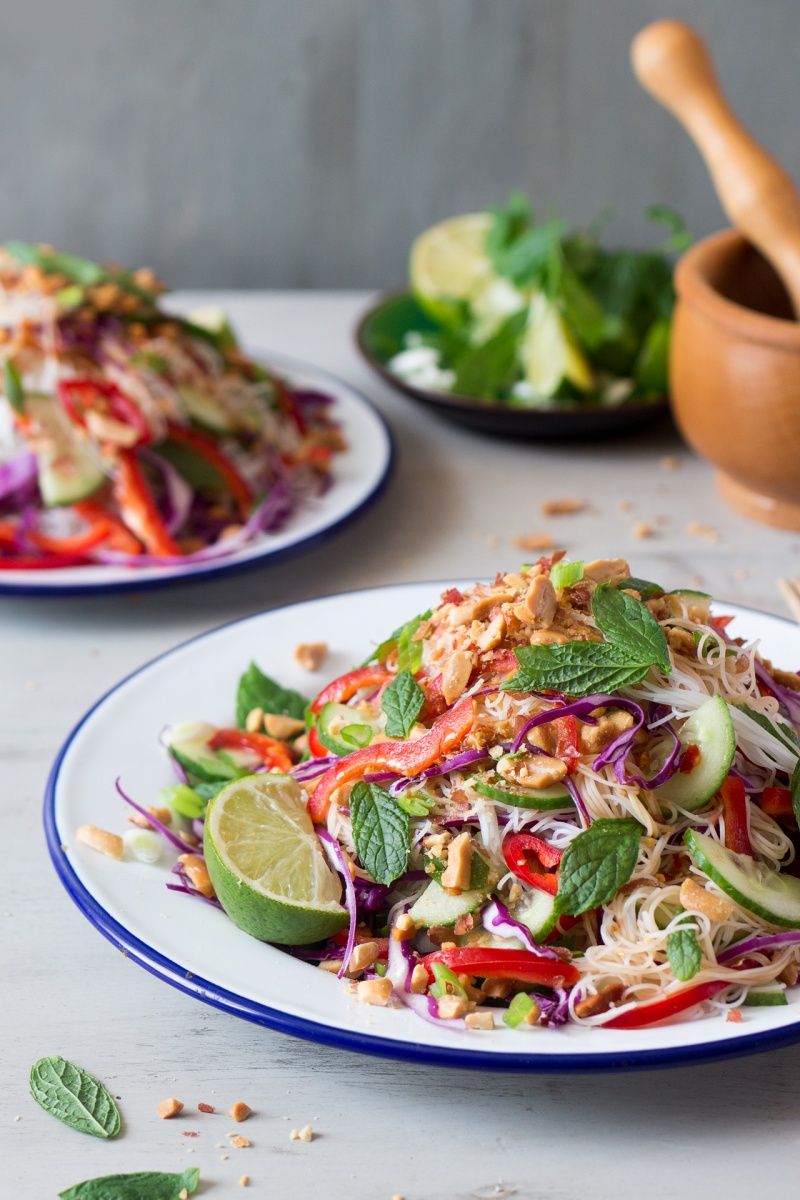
449, 266
266, 863
550, 352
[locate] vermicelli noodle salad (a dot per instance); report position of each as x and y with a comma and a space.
567, 796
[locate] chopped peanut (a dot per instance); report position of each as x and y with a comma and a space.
451, 1007
493, 634
539, 606
670, 462
162, 814
404, 928
479, 609
537, 541
363, 956
333, 965
306, 1133
311, 655
607, 570
375, 991
562, 508
241, 1143
480, 1020
644, 529
532, 770
108, 429
459, 863
593, 738
279, 726
455, 675
696, 529
183, 1194
547, 637
601, 1002
254, 720
239, 1111
534, 1014
497, 989
789, 975
697, 899
107, 843
196, 869
169, 1108
243, 1182
419, 980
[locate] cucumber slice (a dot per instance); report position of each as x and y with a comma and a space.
537, 912
768, 894
496, 788
437, 907
335, 717
690, 599
69, 470
205, 409
710, 728
189, 746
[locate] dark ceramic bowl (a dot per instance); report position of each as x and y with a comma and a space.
379, 337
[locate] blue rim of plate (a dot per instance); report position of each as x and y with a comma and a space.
224, 568
343, 1039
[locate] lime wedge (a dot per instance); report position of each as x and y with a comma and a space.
550, 351
449, 266
267, 865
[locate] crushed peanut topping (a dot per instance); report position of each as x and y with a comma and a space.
101, 840
240, 1111
311, 655
169, 1108
563, 508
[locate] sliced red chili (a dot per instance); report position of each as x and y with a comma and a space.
689, 759
490, 963
208, 449
531, 860
777, 802
567, 744
734, 812
346, 686
272, 752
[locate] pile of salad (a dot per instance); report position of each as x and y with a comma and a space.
526, 313
568, 796
131, 436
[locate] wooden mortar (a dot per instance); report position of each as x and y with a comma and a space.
735, 375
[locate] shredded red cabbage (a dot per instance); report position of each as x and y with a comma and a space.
17, 474
179, 495
789, 699
554, 1010
400, 966
577, 799
191, 891
465, 759
769, 941
162, 829
313, 767
495, 916
576, 708
337, 861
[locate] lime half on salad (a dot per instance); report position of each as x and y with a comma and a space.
450, 266
266, 863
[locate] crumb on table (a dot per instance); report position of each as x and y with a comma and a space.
169, 1108
696, 529
311, 655
536, 541
644, 529
563, 507
670, 462
240, 1111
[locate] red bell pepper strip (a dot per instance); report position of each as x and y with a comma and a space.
653, 1011
208, 449
435, 703
346, 686
689, 759
32, 562
272, 752
517, 852
138, 508
79, 543
118, 537
567, 744
777, 802
8, 533
490, 963
406, 758
315, 746
734, 812
78, 395
720, 622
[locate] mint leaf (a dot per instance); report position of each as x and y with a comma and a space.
684, 954
380, 832
631, 627
492, 368
596, 864
257, 690
409, 652
12, 386
576, 669
402, 702
644, 587
143, 1185
75, 1097
782, 733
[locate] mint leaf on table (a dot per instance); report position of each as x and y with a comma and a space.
142, 1185
257, 690
684, 954
596, 864
75, 1097
402, 702
12, 386
576, 669
380, 832
631, 627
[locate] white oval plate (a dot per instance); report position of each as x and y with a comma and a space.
359, 475
197, 949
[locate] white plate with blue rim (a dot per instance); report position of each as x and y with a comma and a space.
197, 949
360, 473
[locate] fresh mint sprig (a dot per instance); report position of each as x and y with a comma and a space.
75, 1097
380, 832
596, 864
142, 1185
402, 702
634, 642
684, 954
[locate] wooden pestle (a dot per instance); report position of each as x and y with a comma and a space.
672, 62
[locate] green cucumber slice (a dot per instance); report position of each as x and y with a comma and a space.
768, 894
537, 912
205, 409
710, 728
335, 717
70, 469
686, 598
188, 744
437, 907
496, 788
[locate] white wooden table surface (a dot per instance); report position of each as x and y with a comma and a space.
453, 508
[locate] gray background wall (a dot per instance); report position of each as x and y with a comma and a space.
294, 143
